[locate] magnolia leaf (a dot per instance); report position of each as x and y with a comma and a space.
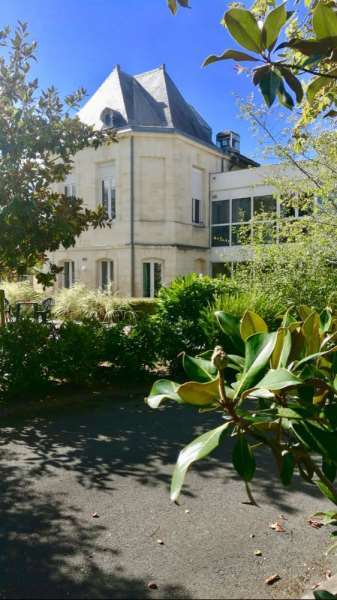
172, 4
310, 330
230, 325
325, 319
326, 491
284, 97
199, 394
309, 47
324, 594
244, 29
311, 357
287, 467
282, 349
329, 469
259, 348
259, 73
293, 83
332, 114
228, 55
317, 439
201, 447
269, 86
199, 369
324, 21
243, 459
273, 25
252, 323
278, 379
163, 389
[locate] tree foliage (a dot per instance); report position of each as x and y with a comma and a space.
289, 41
38, 140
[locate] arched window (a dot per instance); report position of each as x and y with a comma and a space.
152, 278
106, 274
68, 273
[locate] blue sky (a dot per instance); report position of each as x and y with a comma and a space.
80, 41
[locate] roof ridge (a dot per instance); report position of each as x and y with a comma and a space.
160, 68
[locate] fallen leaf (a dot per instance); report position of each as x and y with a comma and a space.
152, 585
272, 579
315, 524
277, 527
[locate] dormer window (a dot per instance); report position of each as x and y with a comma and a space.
108, 119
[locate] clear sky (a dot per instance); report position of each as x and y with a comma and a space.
80, 41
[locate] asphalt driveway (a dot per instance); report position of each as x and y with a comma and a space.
84, 500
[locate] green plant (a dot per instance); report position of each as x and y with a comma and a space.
24, 356
80, 303
179, 307
277, 390
76, 352
20, 291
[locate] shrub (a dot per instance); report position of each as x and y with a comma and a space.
179, 309
131, 348
20, 291
80, 303
24, 356
77, 351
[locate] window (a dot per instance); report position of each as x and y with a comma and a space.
70, 190
241, 210
197, 196
152, 278
109, 197
106, 274
220, 235
196, 211
68, 274
264, 204
220, 212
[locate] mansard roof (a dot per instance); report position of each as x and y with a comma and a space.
148, 100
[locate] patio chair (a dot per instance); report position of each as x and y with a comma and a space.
8, 311
44, 310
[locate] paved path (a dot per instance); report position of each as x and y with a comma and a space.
116, 460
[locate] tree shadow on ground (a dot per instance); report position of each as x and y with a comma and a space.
128, 439
46, 552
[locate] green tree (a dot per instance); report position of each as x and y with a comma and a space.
286, 42
39, 137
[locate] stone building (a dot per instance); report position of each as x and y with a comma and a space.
156, 184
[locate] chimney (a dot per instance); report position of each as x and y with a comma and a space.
228, 142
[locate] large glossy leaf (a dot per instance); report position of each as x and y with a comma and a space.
269, 86
243, 459
278, 379
230, 325
199, 394
163, 389
317, 439
201, 447
172, 4
284, 97
259, 348
252, 323
310, 47
293, 82
310, 330
259, 73
329, 469
199, 369
325, 319
282, 349
324, 21
326, 491
228, 55
243, 27
311, 357
273, 25
287, 467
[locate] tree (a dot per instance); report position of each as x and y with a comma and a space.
38, 140
286, 44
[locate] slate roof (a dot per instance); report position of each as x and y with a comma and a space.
147, 100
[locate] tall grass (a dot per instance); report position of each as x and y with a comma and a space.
20, 291
80, 303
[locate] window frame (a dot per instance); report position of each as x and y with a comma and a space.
70, 275
110, 202
152, 281
200, 220
110, 273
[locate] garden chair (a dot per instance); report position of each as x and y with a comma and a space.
44, 310
8, 311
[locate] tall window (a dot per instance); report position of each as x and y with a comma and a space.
109, 197
68, 274
197, 196
152, 278
70, 189
220, 223
196, 211
106, 273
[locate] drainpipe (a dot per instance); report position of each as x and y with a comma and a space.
132, 217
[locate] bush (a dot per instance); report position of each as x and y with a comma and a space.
77, 352
80, 303
236, 304
20, 291
179, 308
24, 356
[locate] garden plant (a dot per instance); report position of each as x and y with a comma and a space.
275, 389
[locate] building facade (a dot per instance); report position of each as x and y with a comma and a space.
169, 191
